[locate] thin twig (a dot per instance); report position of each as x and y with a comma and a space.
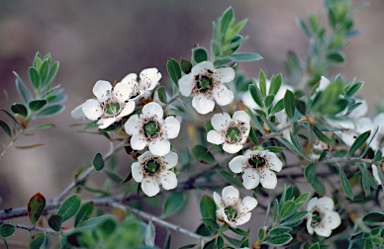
5, 151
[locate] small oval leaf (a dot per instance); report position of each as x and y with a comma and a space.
7, 230
19, 109
174, 70
36, 207
55, 222
202, 155
207, 207
173, 203
98, 162
69, 207
37, 241
36, 105
85, 212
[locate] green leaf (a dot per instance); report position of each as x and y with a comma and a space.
354, 89
37, 241
36, 105
315, 246
230, 178
295, 220
287, 209
262, 83
187, 246
310, 173
360, 140
368, 244
199, 55
35, 77
150, 234
336, 56
85, 212
304, 28
279, 230
274, 149
207, 207
225, 19
301, 106
318, 186
92, 223
55, 222
374, 217
24, 147
301, 200
51, 110
244, 57
174, 202
253, 137
186, 66
261, 234
275, 84
19, 109
289, 103
6, 128
346, 186
256, 95
36, 207
23, 91
279, 106
44, 70
98, 162
162, 94
281, 239
174, 71
7, 230
69, 207
41, 127
322, 137
52, 72
202, 155
292, 148
269, 100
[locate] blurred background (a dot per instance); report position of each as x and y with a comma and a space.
96, 40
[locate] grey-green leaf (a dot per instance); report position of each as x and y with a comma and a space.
202, 155
360, 140
346, 186
174, 70
37, 241
310, 173
36, 105
7, 230
287, 209
281, 239
174, 202
51, 110
6, 128
25, 94
69, 207
162, 94
98, 162
35, 77
85, 212
199, 55
289, 103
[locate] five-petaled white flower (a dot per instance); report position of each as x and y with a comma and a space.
231, 209
321, 217
149, 79
257, 166
205, 83
153, 170
150, 128
112, 104
231, 132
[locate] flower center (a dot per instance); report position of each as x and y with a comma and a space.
204, 83
316, 218
151, 129
233, 135
151, 167
230, 212
112, 108
256, 161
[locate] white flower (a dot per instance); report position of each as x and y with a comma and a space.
149, 79
205, 83
349, 130
153, 170
321, 217
232, 132
377, 142
150, 128
231, 209
257, 166
111, 104
375, 174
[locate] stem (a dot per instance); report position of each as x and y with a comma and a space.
172, 100
5, 151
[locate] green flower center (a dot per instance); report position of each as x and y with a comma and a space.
204, 84
233, 135
316, 218
256, 161
230, 212
151, 167
151, 129
112, 108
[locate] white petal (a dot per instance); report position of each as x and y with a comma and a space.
309, 224
127, 109
153, 110
122, 92
250, 178
138, 142
171, 159
348, 136
214, 137
230, 195
102, 90
323, 231
202, 104
241, 116
92, 109
324, 83
375, 174
312, 202
325, 203
137, 172
132, 126
248, 101
220, 121
222, 95
130, 79
332, 219
186, 84
268, 178
379, 120
106, 122
243, 219
359, 111
149, 77
150, 187
232, 148
224, 75
168, 180
237, 164
247, 204
160, 147
218, 200
171, 127
202, 68
274, 162
78, 113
